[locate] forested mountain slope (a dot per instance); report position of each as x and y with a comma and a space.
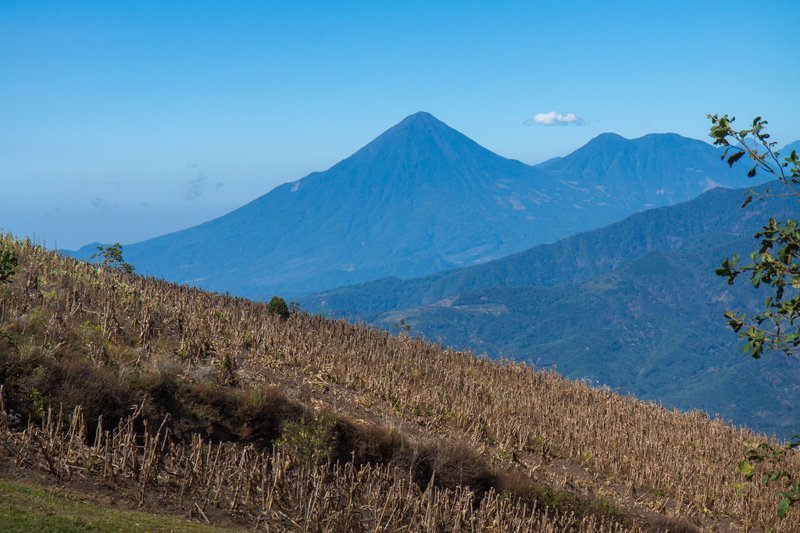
712, 219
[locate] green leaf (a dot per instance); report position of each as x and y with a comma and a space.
783, 508
734, 158
746, 469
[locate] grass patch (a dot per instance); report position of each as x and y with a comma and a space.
25, 507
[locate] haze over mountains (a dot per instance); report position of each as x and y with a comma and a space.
423, 198
713, 219
634, 305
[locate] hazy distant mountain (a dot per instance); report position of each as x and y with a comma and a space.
657, 169
714, 218
635, 306
422, 198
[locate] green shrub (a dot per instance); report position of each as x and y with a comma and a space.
310, 439
278, 306
8, 264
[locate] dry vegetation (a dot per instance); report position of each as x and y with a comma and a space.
273, 489
403, 433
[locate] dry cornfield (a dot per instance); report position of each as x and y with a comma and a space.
642, 466
271, 489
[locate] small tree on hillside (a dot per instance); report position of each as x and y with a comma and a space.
278, 306
775, 265
110, 258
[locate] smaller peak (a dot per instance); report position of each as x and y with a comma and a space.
603, 142
609, 136
605, 139
666, 135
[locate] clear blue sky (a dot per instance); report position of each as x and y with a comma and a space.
123, 120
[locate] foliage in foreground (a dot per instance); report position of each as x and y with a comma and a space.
776, 265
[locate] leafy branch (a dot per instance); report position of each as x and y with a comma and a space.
769, 461
775, 263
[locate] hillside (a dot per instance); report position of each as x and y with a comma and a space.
423, 198
653, 328
246, 413
635, 306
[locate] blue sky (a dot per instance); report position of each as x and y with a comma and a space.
124, 120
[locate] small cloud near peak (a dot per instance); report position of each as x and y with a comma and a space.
554, 118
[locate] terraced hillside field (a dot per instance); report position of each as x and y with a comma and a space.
185, 402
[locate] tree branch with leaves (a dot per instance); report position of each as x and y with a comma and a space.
775, 265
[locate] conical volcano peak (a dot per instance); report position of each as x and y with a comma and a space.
422, 136
422, 122
420, 117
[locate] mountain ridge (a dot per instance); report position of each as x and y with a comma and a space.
419, 198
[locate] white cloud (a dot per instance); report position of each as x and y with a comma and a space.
555, 119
